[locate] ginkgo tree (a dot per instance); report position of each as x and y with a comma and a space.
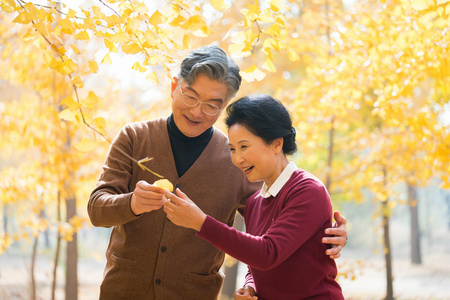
376, 99
366, 83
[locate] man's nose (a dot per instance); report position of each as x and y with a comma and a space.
197, 110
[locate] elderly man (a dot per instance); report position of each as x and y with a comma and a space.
148, 257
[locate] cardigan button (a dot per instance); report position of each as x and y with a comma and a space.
177, 186
163, 248
158, 281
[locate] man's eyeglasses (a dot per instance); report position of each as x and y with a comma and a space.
192, 101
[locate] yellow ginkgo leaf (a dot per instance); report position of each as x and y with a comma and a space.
269, 66
86, 145
119, 37
186, 41
112, 20
219, 4
152, 77
82, 35
276, 5
75, 49
66, 26
421, 4
9, 5
137, 67
164, 183
40, 26
110, 46
29, 36
252, 73
77, 82
100, 124
132, 26
24, 17
71, 13
98, 12
157, 18
106, 59
93, 66
67, 67
141, 8
90, 101
71, 104
131, 48
194, 23
177, 21
67, 115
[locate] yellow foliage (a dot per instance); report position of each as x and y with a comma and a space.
141, 8
86, 145
153, 77
164, 183
24, 17
106, 59
137, 67
67, 115
93, 66
252, 73
131, 48
219, 4
157, 18
422, 4
82, 35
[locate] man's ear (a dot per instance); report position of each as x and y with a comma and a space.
173, 85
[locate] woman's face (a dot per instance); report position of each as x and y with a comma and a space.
253, 155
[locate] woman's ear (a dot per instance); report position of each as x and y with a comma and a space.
277, 145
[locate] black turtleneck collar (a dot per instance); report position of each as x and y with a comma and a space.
174, 132
186, 150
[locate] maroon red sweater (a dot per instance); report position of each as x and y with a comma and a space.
283, 244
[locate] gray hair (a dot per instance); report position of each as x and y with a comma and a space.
213, 62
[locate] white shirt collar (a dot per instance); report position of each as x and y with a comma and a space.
266, 192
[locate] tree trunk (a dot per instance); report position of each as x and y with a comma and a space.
330, 155
33, 264
5, 219
58, 247
387, 245
231, 272
71, 255
415, 231
447, 198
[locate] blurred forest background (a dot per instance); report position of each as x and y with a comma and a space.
367, 83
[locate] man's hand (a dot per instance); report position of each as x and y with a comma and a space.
146, 198
245, 293
339, 233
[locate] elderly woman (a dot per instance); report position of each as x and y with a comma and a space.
285, 221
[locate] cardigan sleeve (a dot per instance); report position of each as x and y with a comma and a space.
109, 203
306, 210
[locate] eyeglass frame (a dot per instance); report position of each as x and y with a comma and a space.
198, 101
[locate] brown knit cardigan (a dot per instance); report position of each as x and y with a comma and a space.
148, 257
